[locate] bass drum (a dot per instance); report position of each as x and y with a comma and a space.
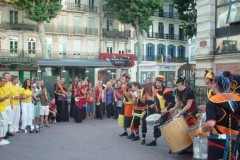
175, 134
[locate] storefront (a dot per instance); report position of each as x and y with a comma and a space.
153, 69
122, 63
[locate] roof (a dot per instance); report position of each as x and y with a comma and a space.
72, 63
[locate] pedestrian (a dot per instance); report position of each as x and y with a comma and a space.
44, 110
103, 102
109, 100
118, 99
26, 104
89, 103
98, 100
72, 89
15, 96
36, 101
79, 102
3, 115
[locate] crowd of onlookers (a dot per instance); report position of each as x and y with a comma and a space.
30, 104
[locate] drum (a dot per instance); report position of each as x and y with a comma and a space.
151, 119
192, 131
119, 103
175, 134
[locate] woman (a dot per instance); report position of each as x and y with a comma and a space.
118, 99
62, 104
98, 99
26, 104
222, 111
79, 98
109, 100
84, 91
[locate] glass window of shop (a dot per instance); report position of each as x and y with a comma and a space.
147, 74
169, 77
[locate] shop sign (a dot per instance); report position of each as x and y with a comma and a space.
119, 61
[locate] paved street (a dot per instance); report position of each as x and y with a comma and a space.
93, 139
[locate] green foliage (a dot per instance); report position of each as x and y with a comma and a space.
135, 12
39, 10
187, 12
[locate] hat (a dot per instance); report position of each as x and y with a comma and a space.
126, 76
209, 74
160, 78
235, 83
180, 79
104, 85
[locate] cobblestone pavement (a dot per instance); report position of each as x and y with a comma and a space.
91, 140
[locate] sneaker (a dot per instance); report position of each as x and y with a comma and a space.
6, 137
4, 142
136, 138
123, 134
143, 142
9, 134
153, 143
131, 136
55, 121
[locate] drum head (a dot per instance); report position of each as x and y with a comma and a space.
153, 117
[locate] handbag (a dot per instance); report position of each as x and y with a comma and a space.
119, 103
121, 120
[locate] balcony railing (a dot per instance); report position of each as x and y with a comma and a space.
92, 31
164, 60
162, 36
165, 15
17, 26
64, 29
14, 53
79, 7
107, 9
117, 33
192, 58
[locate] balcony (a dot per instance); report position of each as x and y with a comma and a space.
165, 15
92, 31
16, 53
79, 7
108, 9
192, 58
116, 33
24, 26
162, 36
64, 29
165, 60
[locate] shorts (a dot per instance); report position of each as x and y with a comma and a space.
9, 112
44, 110
90, 108
3, 124
37, 109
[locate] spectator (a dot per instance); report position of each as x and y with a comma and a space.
26, 104
109, 100
36, 101
118, 99
98, 100
79, 98
73, 87
44, 110
3, 115
52, 111
103, 100
114, 84
58, 80
89, 103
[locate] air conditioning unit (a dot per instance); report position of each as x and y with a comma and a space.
128, 50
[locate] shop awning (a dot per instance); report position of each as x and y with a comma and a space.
72, 63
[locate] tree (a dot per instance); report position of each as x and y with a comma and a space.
39, 11
187, 12
136, 13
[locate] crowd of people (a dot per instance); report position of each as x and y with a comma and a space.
130, 103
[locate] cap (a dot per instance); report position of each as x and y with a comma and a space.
160, 78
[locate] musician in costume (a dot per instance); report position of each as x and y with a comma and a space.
73, 89
127, 109
62, 105
222, 111
140, 111
149, 88
185, 96
164, 100
80, 100
208, 80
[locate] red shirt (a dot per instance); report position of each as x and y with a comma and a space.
97, 93
90, 98
52, 106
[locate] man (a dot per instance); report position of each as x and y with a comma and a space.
15, 96
185, 96
73, 88
6, 92
164, 100
222, 111
149, 88
128, 105
3, 115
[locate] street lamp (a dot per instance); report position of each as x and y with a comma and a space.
87, 71
108, 71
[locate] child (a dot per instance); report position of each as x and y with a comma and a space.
89, 103
44, 110
53, 111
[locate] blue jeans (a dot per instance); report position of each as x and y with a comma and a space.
89, 107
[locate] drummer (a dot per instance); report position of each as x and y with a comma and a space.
140, 111
164, 100
208, 80
149, 87
221, 112
185, 96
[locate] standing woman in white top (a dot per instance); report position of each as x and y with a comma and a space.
27, 109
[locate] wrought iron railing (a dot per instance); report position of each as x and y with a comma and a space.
165, 15
116, 33
64, 29
92, 31
79, 7
107, 8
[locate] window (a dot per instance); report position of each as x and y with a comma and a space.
13, 44
109, 25
181, 51
49, 46
121, 47
13, 16
91, 23
77, 1
181, 34
0, 16
62, 21
171, 32
77, 48
160, 30
62, 47
121, 27
161, 50
91, 49
77, 25
109, 47
170, 11
64, 4
171, 50
91, 5
150, 52
150, 31
161, 13
193, 53
31, 45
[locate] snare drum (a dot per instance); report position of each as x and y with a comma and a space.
151, 119
175, 134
